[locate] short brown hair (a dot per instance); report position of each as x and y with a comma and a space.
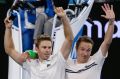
42, 38
84, 39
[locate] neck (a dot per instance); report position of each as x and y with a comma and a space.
41, 60
80, 61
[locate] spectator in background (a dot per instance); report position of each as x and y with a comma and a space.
44, 21
45, 12
104, 0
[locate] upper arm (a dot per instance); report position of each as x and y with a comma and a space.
18, 57
104, 48
66, 47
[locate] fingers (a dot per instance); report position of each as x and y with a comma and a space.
103, 8
7, 20
103, 16
59, 9
60, 12
106, 7
8, 23
111, 7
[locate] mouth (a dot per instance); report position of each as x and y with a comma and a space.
47, 55
84, 58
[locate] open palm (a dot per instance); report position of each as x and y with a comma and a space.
109, 13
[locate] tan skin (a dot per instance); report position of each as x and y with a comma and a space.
45, 47
44, 50
84, 49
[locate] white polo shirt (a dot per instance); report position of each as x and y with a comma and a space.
54, 68
90, 70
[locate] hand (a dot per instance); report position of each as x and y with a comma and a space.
108, 11
8, 23
60, 12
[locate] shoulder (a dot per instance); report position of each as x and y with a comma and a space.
31, 61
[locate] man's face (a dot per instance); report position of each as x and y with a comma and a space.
44, 50
84, 51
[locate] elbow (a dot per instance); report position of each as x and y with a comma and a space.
9, 47
108, 45
70, 39
108, 42
8, 50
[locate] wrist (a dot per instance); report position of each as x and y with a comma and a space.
8, 28
111, 21
64, 17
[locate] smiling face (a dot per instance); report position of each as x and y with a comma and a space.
84, 47
44, 49
43, 45
84, 52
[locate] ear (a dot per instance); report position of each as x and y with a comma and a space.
36, 48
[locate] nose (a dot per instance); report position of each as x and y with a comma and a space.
85, 53
47, 49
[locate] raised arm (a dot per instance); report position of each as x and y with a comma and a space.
66, 47
110, 15
9, 46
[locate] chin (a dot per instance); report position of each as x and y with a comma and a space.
84, 61
46, 58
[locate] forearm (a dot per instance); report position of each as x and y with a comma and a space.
67, 28
68, 37
110, 31
65, 49
8, 42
